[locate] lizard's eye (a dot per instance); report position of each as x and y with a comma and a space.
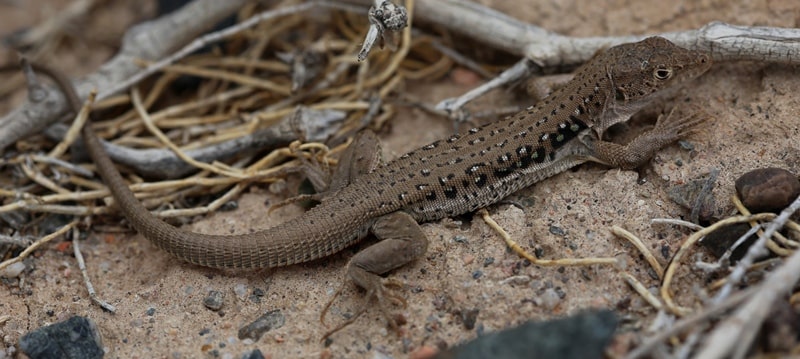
662, 74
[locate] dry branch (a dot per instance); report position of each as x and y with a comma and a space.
150, 40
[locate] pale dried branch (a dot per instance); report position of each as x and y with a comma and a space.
150, 41
86, 281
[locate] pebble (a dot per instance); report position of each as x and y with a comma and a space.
229, 206
214, 300
550, 299
240, 290
477, 274
255, 354
13, 270
469, 317
767, 189
460, 239
273, 319
691, 194
557, 231
77, 337
719, 241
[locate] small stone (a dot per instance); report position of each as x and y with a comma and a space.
557, 231
550, 299
468, 259
719, 241
13, 270
214, 300
77, 337
150, 311
229, 206
240, 290
273, 319
469, 317
460, 239
255, 354
767, 189
692, 196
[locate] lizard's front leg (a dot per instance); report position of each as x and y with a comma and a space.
668, 129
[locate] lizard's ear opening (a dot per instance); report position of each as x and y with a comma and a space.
619, 94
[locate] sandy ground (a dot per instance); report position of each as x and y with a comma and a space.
467, 269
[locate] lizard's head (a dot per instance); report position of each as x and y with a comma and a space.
641, 69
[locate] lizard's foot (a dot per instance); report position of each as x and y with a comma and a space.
402, 241
387, 292
672, 127
669, 129
383, 290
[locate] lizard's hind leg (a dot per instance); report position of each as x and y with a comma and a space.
401, 241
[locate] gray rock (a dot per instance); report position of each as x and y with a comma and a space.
74, 338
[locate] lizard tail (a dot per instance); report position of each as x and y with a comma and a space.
308, 237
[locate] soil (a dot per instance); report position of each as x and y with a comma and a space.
467, 270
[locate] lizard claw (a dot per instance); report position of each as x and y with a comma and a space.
679, 127
383, 291
386, 293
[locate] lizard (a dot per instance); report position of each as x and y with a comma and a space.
445, 178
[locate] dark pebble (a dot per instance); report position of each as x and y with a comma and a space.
722, 239
255, 354
273, 319
77, 337
557, 231
229, 206
585, 335
460, 239
469, 317
767, 189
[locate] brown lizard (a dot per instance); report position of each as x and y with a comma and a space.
452, 176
